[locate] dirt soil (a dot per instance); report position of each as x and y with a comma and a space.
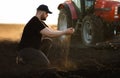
79, 63
83, 63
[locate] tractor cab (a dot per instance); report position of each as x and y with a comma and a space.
83, 5
86, 3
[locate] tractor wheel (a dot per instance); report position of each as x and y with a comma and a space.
64, 22
92, 30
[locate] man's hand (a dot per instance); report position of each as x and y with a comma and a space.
69, 31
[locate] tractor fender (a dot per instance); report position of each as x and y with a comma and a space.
71, 8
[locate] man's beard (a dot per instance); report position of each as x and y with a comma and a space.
43, 18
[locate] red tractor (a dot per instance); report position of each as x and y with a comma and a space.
94, 21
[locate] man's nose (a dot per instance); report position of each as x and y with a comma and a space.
46, 14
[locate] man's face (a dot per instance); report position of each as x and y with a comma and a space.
44, 15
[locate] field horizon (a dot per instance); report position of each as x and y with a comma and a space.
13, 32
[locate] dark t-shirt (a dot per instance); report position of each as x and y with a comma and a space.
31, 37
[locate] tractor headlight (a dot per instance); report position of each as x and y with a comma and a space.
116, 12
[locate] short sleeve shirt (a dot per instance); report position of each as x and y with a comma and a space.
31, 37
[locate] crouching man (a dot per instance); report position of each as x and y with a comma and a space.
29, 46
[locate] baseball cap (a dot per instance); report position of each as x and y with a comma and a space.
44, 8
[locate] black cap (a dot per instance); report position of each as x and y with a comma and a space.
44, 8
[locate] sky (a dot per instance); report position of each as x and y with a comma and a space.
21, 11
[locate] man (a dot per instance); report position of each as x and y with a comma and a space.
30, 43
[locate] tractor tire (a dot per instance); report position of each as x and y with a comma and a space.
92, 30
64, 22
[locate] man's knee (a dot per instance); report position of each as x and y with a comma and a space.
32, 57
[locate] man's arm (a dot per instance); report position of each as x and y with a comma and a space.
56, 33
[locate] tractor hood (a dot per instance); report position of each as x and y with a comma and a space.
108, 9
107, 3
